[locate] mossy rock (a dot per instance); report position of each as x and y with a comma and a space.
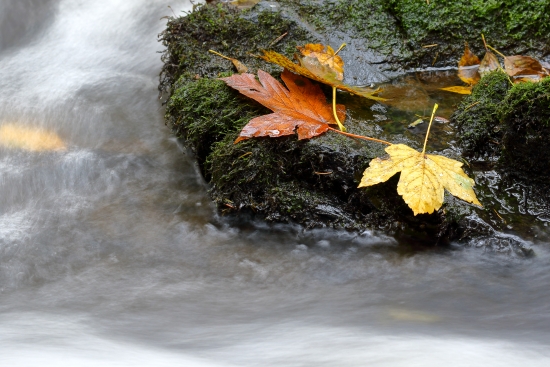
394, 32
506, 129
478, 116
312, 182
508, 123
525, 117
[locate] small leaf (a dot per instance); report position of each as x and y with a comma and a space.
468, 67
302, 108
489, 63
423, 178
468, 58
415, 123
458, 89
241, 68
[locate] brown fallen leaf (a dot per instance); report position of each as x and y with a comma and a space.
468, 57
241, 68
489, 63
301, 109
31, 139
468, 66
423, 178
458, 89
321, 60
326, 77
523, 65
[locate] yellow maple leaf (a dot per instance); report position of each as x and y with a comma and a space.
423, 178
458, 89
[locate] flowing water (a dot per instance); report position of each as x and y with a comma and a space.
112, 255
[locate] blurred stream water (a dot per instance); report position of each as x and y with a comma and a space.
112, 255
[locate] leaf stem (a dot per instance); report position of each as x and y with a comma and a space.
342, 128
359, 136
504, 57
429, 126
498, 52
220, 55
340, 48
484, 43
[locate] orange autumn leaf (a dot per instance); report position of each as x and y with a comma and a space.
301, 109
468, 58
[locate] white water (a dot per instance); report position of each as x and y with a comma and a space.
111, 254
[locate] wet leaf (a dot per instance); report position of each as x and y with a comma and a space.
322, 60
415, 123
329, 78
523, 65
241, 68
302, 108
489, 63
458, 89
468, 58
423, 178
31, 139
469, 74
468, 67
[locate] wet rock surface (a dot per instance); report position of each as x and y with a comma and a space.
315, 182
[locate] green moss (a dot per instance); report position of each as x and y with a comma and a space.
508, 122
478, 116
204, 111
526, 124
512, 26
228, 31
365, 19
399, 28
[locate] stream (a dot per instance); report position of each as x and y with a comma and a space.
111, 253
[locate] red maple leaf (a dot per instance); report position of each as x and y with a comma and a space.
302, 108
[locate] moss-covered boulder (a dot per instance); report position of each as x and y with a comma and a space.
508, 123
505, 128
525, 119
315, 182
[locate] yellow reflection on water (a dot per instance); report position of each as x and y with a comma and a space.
31, 139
